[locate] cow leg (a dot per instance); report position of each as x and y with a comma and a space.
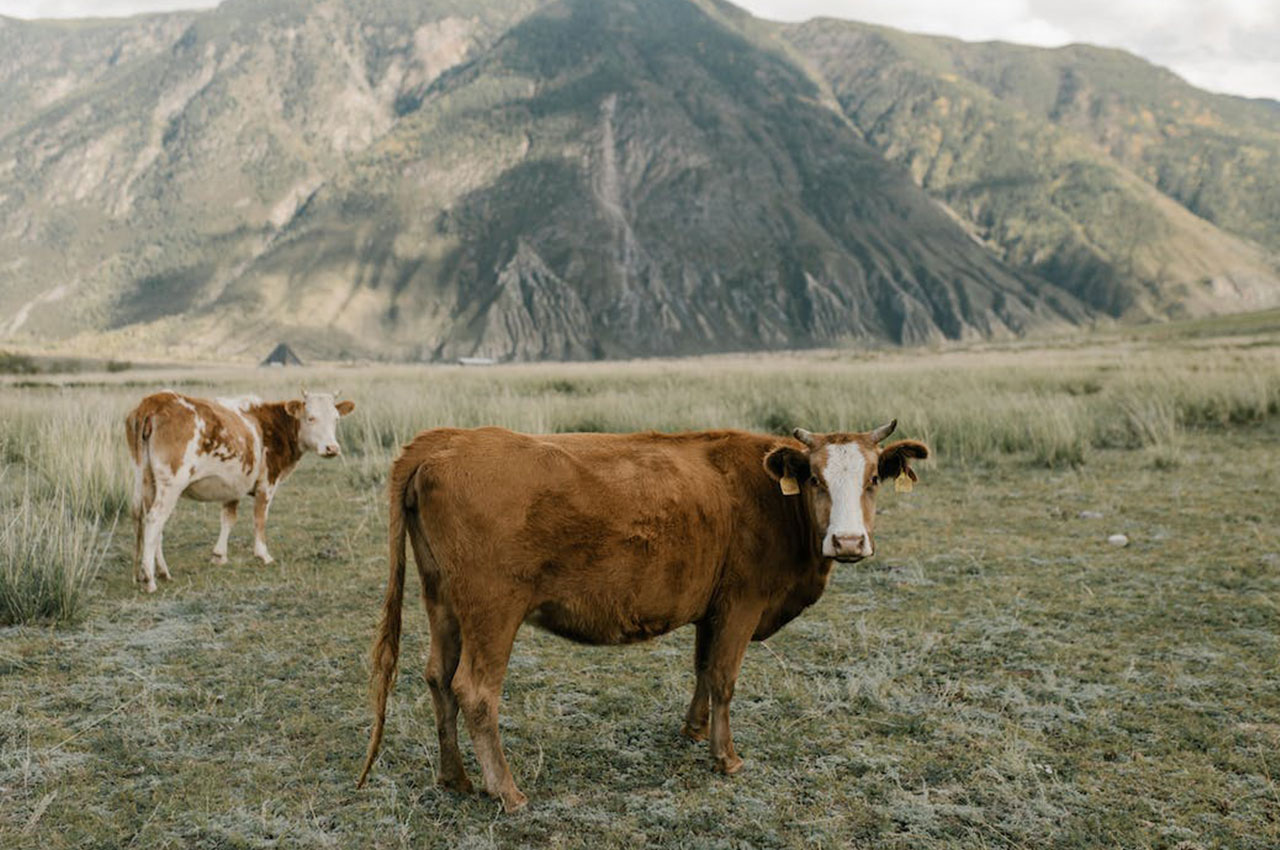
478, 685
166, 499
261, 504
143, 500
162, 566
228, 520
724, 658
137, 510
446, 649
699, 713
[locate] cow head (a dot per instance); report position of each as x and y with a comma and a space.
837, 476
317, 416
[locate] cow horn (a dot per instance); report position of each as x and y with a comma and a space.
304, 391
335, 395
883, 431
804, 436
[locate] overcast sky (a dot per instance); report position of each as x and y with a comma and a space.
1222, 45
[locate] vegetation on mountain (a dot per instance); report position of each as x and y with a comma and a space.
582, 179
1090, 167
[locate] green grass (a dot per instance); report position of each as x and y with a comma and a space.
998, 676
49, 555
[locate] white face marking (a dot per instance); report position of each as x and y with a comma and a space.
319, 424
844, 474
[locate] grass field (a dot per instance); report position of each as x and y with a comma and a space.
997, 676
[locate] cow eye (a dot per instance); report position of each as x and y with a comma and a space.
814, 481
875, 480
311, 419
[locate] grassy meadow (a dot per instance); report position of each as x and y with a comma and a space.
999, 675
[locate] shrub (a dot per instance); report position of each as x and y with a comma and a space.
48, 557
17, 364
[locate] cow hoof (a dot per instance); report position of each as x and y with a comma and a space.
266, 559
694, 733
728, 765
218, 559
460, 784
151, 587
514, 802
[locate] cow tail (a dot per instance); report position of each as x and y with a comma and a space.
386, 645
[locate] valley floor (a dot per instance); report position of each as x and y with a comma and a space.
997, 676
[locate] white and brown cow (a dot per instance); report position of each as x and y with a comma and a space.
218, 450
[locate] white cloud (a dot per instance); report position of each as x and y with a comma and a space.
95, 8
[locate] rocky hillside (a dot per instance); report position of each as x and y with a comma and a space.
1101, 172
586, 178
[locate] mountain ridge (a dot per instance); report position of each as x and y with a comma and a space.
553, 179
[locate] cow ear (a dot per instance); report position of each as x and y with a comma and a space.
786, 462
345, 407
895, 459
295, 408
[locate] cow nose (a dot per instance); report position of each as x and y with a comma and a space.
851, 545
332, 450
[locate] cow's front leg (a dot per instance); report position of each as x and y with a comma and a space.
261, 504
228, 520
730, 635
698, 716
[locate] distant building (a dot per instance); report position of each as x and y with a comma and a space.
282, 356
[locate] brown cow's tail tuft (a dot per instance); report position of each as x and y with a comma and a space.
386, 646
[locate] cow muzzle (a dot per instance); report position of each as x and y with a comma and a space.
849, 548
330, 451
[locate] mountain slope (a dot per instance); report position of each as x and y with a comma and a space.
1217, 155
591, 179
142, 191
568, 179
636, 179
1061, 160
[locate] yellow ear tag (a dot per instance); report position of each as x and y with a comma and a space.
788, 485
902, 484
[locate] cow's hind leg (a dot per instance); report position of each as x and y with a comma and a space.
166, 499
228, 520
446, 649
141, 508
698, 716
486, 648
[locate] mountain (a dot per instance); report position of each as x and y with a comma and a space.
596, 178
1112, 177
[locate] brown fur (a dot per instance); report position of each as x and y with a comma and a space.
163, 425
279, 429
601, 538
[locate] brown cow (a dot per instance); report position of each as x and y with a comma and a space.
218, 450
614, 538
